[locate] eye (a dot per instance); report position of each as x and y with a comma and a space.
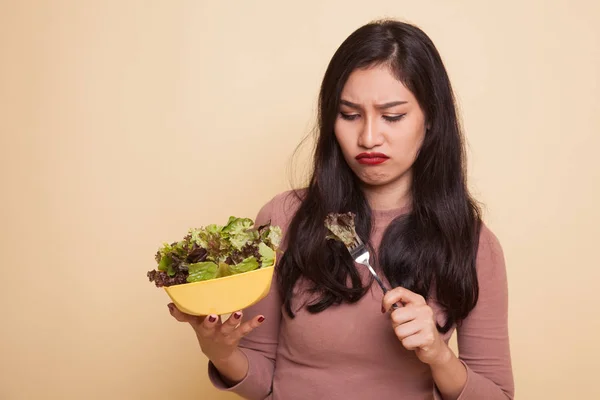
349, 117
394, 118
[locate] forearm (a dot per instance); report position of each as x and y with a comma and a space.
234, 369
449, 375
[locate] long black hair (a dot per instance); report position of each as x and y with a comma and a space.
431, 249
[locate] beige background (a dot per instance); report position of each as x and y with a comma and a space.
124, 123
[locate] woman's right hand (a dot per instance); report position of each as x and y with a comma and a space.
218, 340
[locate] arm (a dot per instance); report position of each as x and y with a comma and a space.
483, 342
483, 370
450, 376
233, 369
249, 372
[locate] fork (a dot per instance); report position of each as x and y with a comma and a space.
360, 254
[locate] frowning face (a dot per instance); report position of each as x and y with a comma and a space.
380, 128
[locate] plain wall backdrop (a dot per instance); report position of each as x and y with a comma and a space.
124, 123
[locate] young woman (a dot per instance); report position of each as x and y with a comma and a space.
389, 150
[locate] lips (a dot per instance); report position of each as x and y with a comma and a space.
371, 158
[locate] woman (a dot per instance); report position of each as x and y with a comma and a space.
390, 150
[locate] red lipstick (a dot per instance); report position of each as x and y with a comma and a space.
371, 158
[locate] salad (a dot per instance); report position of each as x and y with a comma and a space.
216, 251
341, 227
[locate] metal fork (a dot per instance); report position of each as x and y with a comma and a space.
360, 254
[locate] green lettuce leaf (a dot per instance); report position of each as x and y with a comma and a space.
239, 232
202, 271
237, 225
170, 254
267, 255
213, 240
202, 236
275, 235
241, 239
164, 263
177, 248
223, 270
171, 271
247, 265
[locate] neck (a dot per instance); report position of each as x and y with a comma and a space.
387, 197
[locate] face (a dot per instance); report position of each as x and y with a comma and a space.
380, 128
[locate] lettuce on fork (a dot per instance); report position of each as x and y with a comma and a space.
215, 251
341, 227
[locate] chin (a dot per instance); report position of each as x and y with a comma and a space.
378, 180
375, 181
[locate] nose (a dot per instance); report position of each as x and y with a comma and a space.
370, 135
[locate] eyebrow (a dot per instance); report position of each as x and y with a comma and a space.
378, 106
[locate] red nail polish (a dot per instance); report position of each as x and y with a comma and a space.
212, 318
237, 315
261, 318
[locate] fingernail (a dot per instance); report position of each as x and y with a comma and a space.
261, 318
212, 318
382, 310
237, 315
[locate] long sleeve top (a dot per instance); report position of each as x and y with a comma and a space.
350, 351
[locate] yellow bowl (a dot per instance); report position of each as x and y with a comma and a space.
222, 295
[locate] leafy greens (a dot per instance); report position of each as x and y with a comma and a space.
215, 251
341, 227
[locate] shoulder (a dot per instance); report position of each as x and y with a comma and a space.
281, 208
489, 244
490, 260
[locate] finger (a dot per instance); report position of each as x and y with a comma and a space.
420, 340
232, 322
403, 315
402, 295
408, 329
248, 326
208, 325
183, 317
411, 343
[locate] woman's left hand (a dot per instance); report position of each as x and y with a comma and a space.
415, 326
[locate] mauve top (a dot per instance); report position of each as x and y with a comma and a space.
350, 351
